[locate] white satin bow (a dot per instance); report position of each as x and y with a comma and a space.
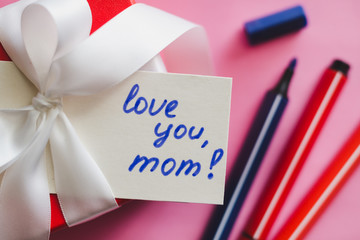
49, 42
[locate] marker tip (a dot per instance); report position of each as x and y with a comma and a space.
292, 64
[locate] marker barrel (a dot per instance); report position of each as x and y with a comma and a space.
250, 158
254, 150
324, 190
295, 153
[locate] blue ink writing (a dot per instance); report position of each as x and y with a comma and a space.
165, 163
167, 167
191, 136
141, 104
191, 164
152, 113
134, 103
217, 155
179, 133
162, 136
171, 107
182, 129
205, 144
146, 161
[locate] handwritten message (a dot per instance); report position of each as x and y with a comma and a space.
155, 136
141, 105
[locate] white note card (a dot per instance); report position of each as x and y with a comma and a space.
155, 136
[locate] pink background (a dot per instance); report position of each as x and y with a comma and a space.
332, 32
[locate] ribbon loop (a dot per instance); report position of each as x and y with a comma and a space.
48, 33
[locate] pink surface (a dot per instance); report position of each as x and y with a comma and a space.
332, 32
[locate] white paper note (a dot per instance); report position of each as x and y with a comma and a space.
155, 136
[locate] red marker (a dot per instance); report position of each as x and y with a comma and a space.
332, 179
296, 151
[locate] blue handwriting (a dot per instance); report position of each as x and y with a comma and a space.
141, 104
167, 167
179, 132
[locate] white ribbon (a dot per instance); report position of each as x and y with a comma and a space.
49, 42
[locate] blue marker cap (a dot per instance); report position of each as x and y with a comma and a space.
275, 25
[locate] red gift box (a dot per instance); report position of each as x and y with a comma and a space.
102, 11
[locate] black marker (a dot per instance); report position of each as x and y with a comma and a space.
253, 151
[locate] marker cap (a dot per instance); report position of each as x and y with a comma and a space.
275, 25
340, 66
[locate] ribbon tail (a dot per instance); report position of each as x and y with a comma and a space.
25, 210
17, 131
82, 189
24, 194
